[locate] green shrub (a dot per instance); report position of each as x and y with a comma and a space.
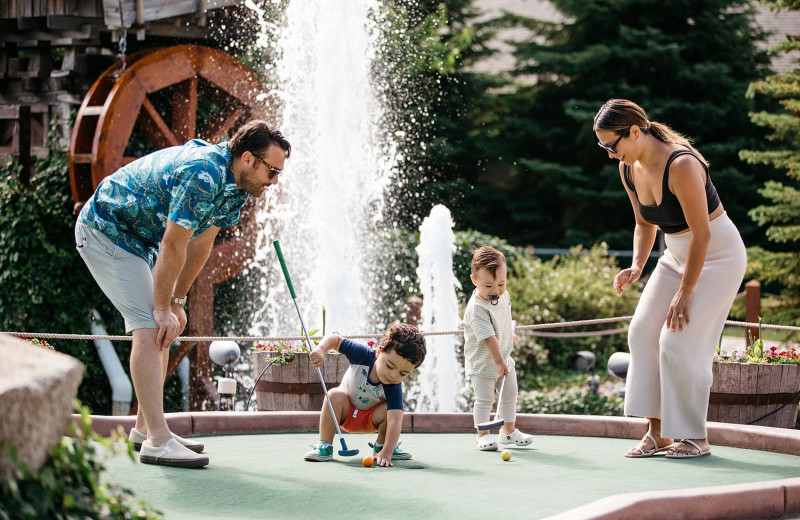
467, 242
577, 286
573, 402
44, 284
69, 484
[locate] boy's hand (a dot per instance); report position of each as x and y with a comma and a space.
317, 357
384, 458
502, 369
515, 340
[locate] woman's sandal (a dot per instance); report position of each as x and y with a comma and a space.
673, 452
631, 454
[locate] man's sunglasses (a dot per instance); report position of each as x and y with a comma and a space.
613, 147
273, 171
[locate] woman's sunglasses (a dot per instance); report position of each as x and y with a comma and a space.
613, 147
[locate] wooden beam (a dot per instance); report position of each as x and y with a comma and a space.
154, 126
60, 22
224, 121
22, 138
184, 109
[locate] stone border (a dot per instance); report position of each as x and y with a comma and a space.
751, 500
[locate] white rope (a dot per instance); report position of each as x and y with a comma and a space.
555, 325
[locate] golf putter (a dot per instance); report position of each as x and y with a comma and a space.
498, 422
344, 452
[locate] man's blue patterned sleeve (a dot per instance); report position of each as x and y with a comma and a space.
192, 195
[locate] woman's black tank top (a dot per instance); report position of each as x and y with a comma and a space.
669, 215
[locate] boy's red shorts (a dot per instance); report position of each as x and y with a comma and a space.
359, 421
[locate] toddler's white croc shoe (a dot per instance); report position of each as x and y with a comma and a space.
516, 437
487, 443
173, 453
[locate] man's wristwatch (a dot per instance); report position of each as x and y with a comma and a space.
179, 301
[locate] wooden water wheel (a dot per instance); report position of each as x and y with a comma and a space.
122, 100
159, 98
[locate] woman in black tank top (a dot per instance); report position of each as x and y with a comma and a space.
686, 300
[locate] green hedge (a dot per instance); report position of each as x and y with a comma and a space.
573, 402
44, 284
576, 286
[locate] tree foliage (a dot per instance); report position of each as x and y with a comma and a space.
431, 99
514, 154
688, 63
781, 215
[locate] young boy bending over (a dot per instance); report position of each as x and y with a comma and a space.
370, 397
488, 340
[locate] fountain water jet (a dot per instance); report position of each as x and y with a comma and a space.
440, 376
331, 193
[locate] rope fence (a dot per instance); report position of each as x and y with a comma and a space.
528, 330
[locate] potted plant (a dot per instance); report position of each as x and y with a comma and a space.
285, 379
756, 386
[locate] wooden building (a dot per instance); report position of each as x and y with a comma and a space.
51, 51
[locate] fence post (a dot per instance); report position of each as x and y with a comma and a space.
413, 310
752, 308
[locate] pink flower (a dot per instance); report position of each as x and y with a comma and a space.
370, 343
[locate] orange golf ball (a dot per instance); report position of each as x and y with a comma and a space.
367, 461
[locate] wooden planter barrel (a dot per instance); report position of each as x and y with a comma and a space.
295, 385
744, 392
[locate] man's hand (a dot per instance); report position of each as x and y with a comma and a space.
180, 312
169, 327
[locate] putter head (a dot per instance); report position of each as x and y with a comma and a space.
491, 425
344, 452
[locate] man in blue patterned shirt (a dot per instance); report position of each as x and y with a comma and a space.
145, 235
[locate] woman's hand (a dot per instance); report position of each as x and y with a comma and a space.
625, 278
678, 313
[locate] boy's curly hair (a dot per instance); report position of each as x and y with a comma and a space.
406, 340
487, 258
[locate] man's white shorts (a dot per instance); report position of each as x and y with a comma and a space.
125, 278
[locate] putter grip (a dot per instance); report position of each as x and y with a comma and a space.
283, 267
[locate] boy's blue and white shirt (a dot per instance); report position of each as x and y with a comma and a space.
192, 185
364, 394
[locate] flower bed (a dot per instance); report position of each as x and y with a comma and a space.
756, 386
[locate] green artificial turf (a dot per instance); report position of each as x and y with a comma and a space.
265, 476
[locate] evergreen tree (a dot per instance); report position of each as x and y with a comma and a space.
432, 101
782, 216
543, 181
